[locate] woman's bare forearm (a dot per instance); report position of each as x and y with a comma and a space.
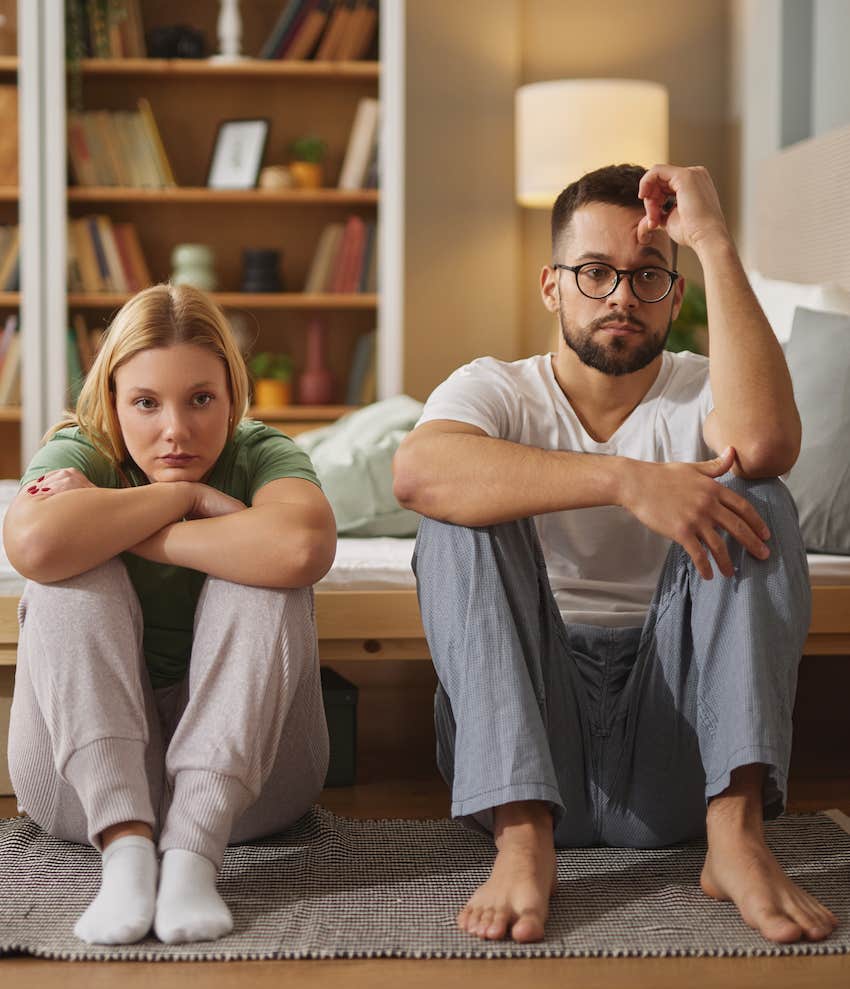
476, 480
53, 537
272, 545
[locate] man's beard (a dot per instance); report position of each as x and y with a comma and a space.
617, 356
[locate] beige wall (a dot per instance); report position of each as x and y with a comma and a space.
461, 223
473, 257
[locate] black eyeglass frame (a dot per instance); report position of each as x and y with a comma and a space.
620, 273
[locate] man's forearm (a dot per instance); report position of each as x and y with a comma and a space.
264, 546
752, 390
476, 480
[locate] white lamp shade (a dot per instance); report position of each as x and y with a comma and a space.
567, 127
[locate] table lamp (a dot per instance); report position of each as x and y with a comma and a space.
566, 127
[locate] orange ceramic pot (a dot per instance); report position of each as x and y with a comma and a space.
271, 393
306, 174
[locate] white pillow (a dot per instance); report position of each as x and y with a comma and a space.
779, 300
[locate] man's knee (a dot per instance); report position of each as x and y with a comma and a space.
768, 495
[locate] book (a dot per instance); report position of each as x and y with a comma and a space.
98, 31
103, 174
10, 373
85, 347
350, 276
335, 30
360, 361
164, 169
281, 25
130, 241
132, 31
75, 370
99, 253
318, 277
293, 29
131, 277
364, 134
10, 328
146, 160
110, 252
9, 263
86, 260
343, 260
9, 135
307, 37
367, 27
368, 255
126, 141
105, 126
82, 166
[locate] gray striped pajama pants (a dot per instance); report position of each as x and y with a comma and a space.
625, 732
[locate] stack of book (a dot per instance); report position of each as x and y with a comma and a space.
118, 148
107, 30
10, 259
325, 30
345, 259
105, 257
360, 162
10, 362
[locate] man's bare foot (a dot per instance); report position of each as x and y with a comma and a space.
740, 867
515, 899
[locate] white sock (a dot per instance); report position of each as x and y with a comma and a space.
188, 908
122, 912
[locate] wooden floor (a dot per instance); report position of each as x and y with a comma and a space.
423, 798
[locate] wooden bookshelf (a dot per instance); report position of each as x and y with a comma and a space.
189, 99
10, 413
300, 413
251, 68
209, 197
237, 300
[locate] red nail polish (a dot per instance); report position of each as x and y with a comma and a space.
32, 490
40, 479
45, 489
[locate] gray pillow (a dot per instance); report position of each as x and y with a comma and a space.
818, 356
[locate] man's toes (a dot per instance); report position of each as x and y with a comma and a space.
472, 917
485, 919
529, 927
498, 925
463, 918
776, 926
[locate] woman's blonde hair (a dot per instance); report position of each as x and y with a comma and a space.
159, 316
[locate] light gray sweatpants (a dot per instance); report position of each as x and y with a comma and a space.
236, 751
625, 732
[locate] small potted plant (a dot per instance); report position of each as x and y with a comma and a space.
688, 331
308, 153
272, 379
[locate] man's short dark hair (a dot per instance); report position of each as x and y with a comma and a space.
614, 184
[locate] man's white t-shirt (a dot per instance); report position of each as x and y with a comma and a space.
603, 564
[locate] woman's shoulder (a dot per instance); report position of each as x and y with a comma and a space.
71, 447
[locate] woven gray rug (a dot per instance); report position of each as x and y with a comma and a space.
333, 887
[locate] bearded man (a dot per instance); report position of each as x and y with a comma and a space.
611, 576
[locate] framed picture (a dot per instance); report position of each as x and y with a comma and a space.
238, 154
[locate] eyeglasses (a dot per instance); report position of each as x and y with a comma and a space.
598, 280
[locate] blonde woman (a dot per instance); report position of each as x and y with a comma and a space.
167, 686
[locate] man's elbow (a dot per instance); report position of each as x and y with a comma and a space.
769, 457
408, 482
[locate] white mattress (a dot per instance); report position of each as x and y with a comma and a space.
384, 563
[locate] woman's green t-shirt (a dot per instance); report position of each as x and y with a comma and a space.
256, 455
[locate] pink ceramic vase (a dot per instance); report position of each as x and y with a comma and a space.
316, 383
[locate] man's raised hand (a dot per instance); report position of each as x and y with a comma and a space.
683, 502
